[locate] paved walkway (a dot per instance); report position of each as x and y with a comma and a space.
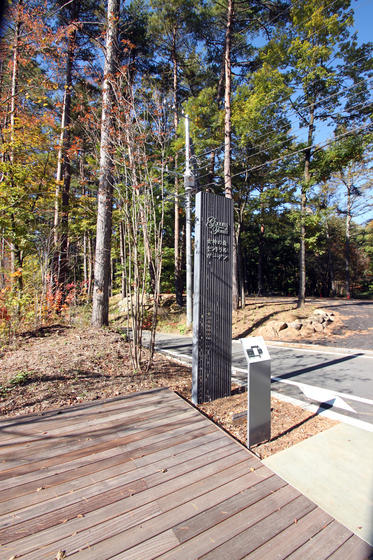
147, 476
335, 470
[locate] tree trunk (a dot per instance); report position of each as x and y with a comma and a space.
211, 171
2, 263
13, 108
303, 209
227, 102
261, 245
348, 237
60, 264
122, 259
100, 311
227, 139
330, 288
57, 196
85, 260
302, 252
66, 166
14, 86
260, 260
91, 265
177, 244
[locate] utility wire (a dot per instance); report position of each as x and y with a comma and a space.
291, 138
318, 147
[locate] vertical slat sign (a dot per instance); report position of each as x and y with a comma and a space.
212, 306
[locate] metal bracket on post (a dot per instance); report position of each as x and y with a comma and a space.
258, 390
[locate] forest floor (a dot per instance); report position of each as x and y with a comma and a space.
63, 365
263, 316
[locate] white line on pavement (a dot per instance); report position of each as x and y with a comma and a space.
328, 413
356, 353
315, 387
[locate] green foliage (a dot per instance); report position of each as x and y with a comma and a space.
171, 56
21, 378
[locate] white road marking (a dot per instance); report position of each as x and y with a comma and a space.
313, 392
305, 387
328, 413
355, 353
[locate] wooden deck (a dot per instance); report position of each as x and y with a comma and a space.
147, 476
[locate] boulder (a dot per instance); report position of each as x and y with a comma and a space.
297, 325
320, 312
268, 332
318, 327
290, 332
308, 330
278, 325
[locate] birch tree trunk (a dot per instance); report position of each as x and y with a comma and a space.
100, 311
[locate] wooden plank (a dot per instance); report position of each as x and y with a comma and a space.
94, 477
323, 544
79, 540
117, 475
135, 447
147, 549
242, 471
80, 409
124, 540
47, 514
148, 452
155, 481
150, 548
80, 450
214, 515
60, 434
20, 430
353, 549
204, 542
285, 542
109, 528
189, 486
259, 531
98, 430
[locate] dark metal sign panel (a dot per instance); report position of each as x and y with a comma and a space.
212, 308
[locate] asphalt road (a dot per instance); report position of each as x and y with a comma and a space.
357, 329
341, 379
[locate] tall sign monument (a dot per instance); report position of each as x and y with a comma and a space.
212, 308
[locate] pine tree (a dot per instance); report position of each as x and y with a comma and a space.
100, 311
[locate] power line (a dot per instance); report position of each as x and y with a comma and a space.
278, 144
319, 147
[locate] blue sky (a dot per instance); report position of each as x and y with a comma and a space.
363, 19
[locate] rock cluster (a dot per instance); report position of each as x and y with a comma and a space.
316, 323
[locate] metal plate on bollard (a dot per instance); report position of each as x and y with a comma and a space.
258, 390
